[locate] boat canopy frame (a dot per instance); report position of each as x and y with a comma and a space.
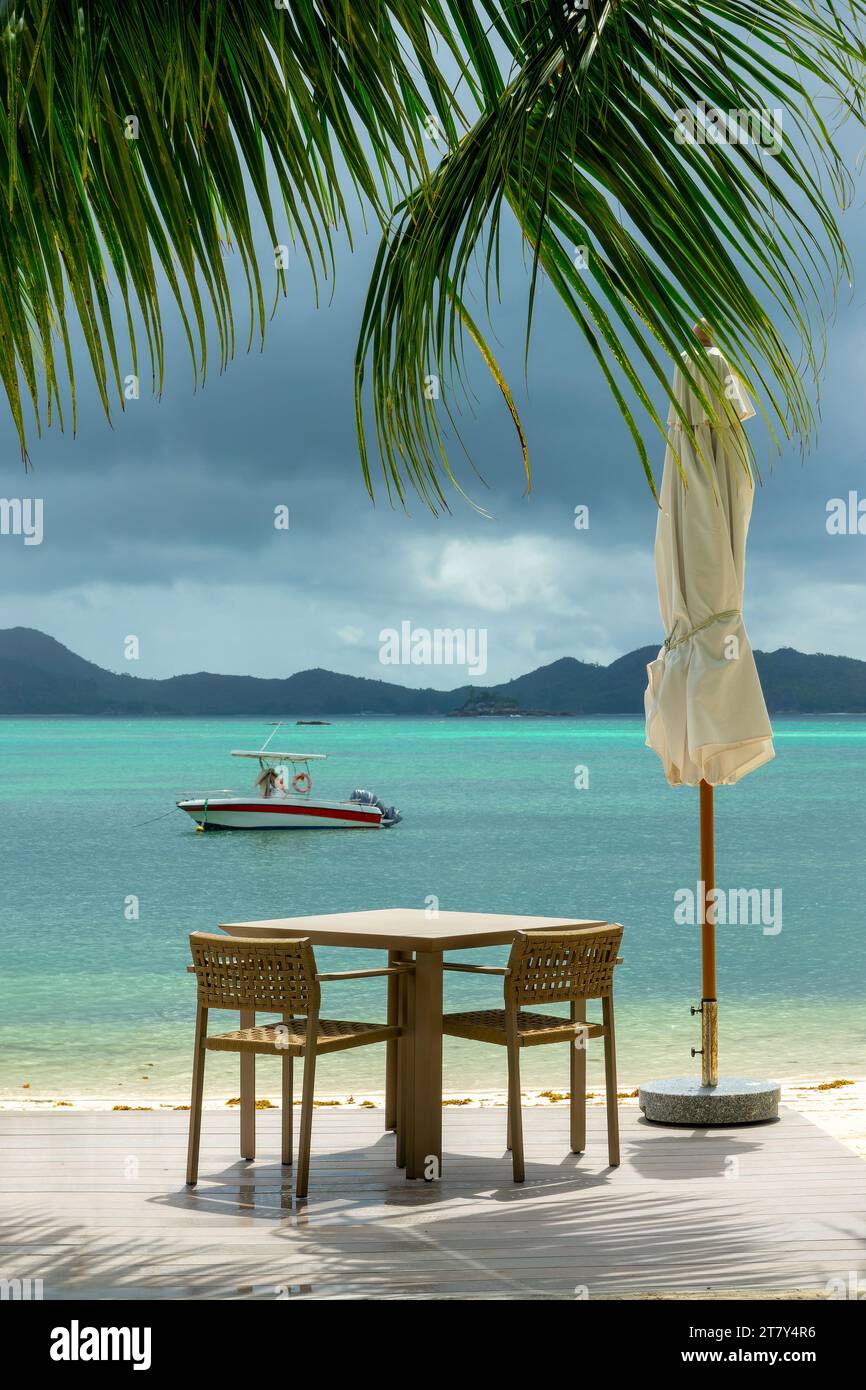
269, 761
265, 755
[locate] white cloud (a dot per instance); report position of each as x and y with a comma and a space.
813, 617
497, 576
538, 596
537, 599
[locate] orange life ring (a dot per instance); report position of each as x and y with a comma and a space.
302, 781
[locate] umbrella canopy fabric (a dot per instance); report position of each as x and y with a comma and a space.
705, 711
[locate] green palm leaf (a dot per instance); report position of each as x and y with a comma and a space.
579, 145
289, 108
228, 105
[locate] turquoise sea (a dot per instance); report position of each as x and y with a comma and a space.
92, 1002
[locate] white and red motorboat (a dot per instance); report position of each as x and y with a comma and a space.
282, 799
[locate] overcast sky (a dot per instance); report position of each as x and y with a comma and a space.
162, 526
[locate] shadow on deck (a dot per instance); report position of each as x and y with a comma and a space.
95, 1206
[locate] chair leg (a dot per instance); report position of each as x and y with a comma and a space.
515, 1118
195, 1105
247, 1067
392, 1100
610, 1083
405, 1078
406, 1082
400, 1129
577, 1081
287, 1101
302, 1175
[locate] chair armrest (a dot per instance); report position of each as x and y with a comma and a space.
618, 960
477, 969
190, 970
367, 974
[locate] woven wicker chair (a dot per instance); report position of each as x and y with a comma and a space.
277, 976
550, 967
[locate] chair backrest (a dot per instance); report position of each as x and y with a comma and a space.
276, 976
548, 966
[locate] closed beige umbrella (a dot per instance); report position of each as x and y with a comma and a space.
705, 711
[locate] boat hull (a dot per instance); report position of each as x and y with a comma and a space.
278, 813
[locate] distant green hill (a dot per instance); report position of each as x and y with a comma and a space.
40, 676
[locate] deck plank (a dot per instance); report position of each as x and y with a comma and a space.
94, 1204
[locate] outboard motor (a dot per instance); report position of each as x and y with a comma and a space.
390, 814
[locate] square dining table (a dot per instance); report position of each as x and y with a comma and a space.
406, 933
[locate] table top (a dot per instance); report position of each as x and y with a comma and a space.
404, 928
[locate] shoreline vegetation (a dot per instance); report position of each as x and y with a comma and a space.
835, 1104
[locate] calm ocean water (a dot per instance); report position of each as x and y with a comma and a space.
91, 1002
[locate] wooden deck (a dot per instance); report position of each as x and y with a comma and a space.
95, 1206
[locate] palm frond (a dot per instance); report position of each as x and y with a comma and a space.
580, 146
135, 140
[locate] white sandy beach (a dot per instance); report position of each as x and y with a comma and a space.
836, 1104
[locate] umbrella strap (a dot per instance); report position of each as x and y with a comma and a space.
672, 643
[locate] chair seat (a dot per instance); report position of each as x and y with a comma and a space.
488, 1025
290, 1039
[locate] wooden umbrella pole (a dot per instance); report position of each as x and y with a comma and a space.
709, 1003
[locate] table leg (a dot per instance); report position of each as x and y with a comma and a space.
425, 1155
248, 1092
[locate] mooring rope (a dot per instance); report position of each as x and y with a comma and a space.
139, 823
